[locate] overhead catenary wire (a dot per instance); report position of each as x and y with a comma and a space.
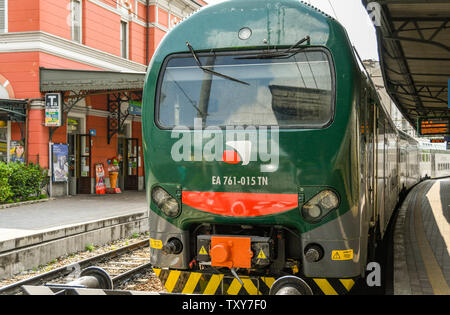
334, 11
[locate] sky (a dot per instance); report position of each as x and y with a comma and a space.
353, 16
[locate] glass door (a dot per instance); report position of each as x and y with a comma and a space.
73, 128
131, 164
84, 169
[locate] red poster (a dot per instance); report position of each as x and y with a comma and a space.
100, 186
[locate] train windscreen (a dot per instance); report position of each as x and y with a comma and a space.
295, 91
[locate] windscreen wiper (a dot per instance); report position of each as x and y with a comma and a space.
291, 51
212, 71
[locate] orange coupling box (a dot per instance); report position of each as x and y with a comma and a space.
231, 252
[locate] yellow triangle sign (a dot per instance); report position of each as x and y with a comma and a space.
203, 251
261, 255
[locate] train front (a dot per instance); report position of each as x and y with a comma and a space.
248, 159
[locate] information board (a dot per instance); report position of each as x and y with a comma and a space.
135, 108
433, 126
53, 107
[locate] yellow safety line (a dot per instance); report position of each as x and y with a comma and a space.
172, 280
213, 284
436, 203
434, 271
189, 288
347, 283
234, 288
325, 286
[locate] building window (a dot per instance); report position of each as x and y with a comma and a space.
3, 16
124, 39
75, 13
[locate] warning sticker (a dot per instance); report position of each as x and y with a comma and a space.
261, 255
203, 251
342, 254
156, 244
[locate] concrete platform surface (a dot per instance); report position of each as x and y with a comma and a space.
26, 220
422, 241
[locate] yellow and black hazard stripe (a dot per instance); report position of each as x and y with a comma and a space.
176, 281
185, 282
331, 286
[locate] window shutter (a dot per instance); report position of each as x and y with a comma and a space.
76, 21
2, 16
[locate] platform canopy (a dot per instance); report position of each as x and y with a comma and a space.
52, 80
13, 110
414, 49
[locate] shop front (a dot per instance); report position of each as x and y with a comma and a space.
100, 127
80, 159
4, 140
12, 124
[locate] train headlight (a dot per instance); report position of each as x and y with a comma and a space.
165, 202
312, 211
320, 205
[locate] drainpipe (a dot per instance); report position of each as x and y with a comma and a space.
27, 121
147, 42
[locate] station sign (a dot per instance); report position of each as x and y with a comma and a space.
437, 141
135, 108
53, 109
433, 126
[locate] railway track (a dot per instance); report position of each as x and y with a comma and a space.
121, 265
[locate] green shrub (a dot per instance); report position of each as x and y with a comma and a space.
21, 182
5, 189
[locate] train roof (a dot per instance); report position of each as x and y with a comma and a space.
406, 136
272, 23
432, 146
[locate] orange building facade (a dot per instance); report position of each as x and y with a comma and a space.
94, 53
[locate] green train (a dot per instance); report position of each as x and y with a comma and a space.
271, 165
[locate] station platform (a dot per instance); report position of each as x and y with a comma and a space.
34, 234
422, 241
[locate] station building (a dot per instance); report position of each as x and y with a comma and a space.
94, 54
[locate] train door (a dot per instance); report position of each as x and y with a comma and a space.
365, 184
380, 177
390, 187
84, 165
387, 171
371, 184
371, 150
433, 165
364, 155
